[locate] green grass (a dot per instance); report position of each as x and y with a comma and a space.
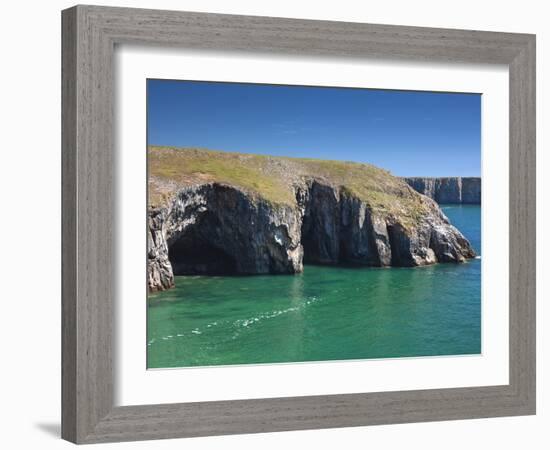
191, 166
272, 178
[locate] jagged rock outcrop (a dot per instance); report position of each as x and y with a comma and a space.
214, 228
340, 228
160, 275
460, 190
218, 229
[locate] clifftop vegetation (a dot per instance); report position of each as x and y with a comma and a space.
274, 178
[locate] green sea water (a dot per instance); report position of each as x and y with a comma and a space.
325, 313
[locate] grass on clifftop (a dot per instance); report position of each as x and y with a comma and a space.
184, 167
271, 177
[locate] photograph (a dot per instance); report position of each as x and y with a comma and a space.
296, 224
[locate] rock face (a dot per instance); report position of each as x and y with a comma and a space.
217, 229
214, 228
339, 228
471, 190
465, 190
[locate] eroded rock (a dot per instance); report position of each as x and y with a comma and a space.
214, 228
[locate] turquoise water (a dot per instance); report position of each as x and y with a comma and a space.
325, 313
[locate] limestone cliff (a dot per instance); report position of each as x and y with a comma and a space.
465, 190
235, 214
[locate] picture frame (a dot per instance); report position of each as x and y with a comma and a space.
89, 37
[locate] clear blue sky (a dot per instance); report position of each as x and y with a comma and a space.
409, 133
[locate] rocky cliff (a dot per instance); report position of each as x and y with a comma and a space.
466, 190
223, 213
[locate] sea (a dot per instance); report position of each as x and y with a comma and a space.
326, 313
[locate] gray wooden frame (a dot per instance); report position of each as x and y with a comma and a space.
89, 36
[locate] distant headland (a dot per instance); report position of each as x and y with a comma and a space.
457, 190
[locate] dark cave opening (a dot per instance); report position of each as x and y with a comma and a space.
312, 242
319, 247
321, 225
191, 255
309, 243
195, 252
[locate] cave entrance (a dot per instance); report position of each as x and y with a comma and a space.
320, 240
191, 256
194, 253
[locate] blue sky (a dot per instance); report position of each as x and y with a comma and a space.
409, 133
